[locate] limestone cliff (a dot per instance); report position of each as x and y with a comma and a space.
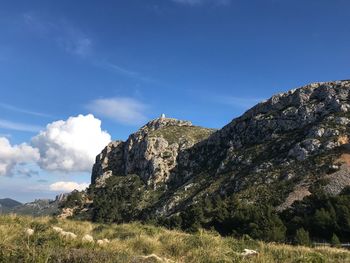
273, 153
151, 152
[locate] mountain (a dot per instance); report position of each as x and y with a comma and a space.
7, 204
39, 207
281, 151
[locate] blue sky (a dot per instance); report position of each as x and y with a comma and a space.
126, 62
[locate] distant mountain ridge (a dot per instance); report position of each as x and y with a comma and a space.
6, 204
39, 207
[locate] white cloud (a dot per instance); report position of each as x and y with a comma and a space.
20, 110
68, 37
11, 156
121, 70
75, 41
71, 145
76, 44
123, 110
26, 169
10, 125
68, 186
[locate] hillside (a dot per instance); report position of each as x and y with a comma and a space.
6, 204
280, 168
49, 242
39, 207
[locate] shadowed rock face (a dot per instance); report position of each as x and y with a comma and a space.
278, 147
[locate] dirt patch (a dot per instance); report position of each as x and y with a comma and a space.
343, 139
299, 192
344, 159
339, 179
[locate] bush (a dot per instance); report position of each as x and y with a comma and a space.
335, 241
302, 237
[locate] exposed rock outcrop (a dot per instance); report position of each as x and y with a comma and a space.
151, 152
273, 153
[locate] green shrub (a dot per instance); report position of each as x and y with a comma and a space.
302, 237
335, 241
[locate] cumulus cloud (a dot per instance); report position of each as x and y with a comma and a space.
123, 110
26, 170
11, 156
67, 186
71, 145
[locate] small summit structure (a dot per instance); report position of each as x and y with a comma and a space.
162, 116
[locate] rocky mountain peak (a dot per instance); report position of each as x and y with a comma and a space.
333, 94
151, 152
274, 152
162, 122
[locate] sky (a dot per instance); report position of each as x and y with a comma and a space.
75, 75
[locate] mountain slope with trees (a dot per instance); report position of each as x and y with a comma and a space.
279, 172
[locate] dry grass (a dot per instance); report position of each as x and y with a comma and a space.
139, 243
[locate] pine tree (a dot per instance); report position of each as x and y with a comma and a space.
335, 241
302, 237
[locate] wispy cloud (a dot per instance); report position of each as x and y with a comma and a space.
42, 181
10, 125
123, 110
66, 36
25, 111
201, 2
74, 41
121, 70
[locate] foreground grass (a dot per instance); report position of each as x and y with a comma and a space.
139, 243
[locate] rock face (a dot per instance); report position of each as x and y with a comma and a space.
273, 153
151, 152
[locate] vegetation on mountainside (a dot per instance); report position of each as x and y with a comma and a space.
74, 199
322, 216
139, 243
237, 182
173, 133
319, 215
119, 202
39, 207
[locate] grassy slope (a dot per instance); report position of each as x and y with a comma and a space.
173, 133
134, 242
